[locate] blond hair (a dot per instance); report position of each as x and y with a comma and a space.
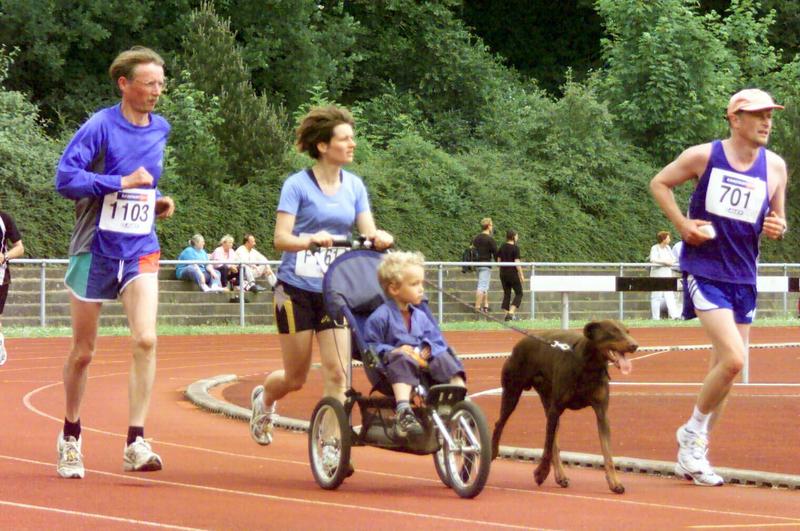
318, 125
226, 238
196, 239
394, 265
124, 64
485, 222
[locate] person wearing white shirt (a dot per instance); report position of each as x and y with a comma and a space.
247, 253
663, 259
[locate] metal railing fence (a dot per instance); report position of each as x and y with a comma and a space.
448, 277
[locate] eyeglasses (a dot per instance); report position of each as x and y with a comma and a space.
160, 85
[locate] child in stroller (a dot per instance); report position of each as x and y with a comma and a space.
406, 339
454, 429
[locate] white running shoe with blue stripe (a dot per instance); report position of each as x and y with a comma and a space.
692, 461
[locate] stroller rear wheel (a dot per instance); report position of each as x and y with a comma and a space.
468, 460
329, 443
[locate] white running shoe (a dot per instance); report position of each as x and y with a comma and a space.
70, 459
261, 419
3, 353
692, 461
140, 457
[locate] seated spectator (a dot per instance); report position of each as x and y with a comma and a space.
204, 275
229, 271
247, 253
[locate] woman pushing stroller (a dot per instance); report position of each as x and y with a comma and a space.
316, 205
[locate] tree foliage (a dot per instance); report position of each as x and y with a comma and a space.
424, 58
252, 136
555, 140
27, 159
289, 46
668, 73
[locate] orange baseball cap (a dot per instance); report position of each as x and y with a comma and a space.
750, 100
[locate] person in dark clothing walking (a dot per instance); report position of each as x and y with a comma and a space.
10, 247
511, 277
487, 252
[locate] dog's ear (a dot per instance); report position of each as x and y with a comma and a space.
591, 329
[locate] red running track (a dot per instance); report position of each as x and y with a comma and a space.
215, 477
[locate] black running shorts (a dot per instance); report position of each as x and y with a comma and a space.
297, 310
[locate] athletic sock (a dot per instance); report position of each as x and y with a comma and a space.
133, 432
72, 429
698, 423
401, 405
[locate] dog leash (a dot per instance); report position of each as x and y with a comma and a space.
362, 242
504, 324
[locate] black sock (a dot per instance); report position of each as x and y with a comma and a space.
133, 432
72, 429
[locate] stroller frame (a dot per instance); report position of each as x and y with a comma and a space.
455, 430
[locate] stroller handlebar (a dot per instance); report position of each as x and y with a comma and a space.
361, 242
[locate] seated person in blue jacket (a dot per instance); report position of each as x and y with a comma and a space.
406, 338
205, 275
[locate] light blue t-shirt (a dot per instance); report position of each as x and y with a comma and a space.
314, 211
190, 253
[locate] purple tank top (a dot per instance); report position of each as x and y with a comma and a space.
736, 203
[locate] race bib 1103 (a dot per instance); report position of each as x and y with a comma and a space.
129, 211
735, 196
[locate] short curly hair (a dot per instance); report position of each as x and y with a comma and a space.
318, 125
393, 265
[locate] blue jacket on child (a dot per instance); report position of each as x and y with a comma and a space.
385, 330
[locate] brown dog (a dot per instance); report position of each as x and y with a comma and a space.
568, 371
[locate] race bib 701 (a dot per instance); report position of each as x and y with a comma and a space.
129, 211
735, 196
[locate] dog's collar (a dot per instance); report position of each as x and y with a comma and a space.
560, 345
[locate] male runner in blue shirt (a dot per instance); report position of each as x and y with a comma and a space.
111, 169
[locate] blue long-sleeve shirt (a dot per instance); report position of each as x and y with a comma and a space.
104, 149
385, 330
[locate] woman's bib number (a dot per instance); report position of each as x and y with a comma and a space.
315, 265
735, 196
129, 211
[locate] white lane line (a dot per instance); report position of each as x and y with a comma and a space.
498, 391
272, 497
97, 516
603, 500
744, 526
668, 507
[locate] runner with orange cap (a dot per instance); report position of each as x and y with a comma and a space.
740, 194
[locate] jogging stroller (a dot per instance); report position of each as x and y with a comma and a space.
455, 429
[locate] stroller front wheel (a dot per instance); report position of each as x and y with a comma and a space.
439, 462
329, 443
468, 460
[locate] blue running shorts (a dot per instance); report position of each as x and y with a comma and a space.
704, 294
94, 278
